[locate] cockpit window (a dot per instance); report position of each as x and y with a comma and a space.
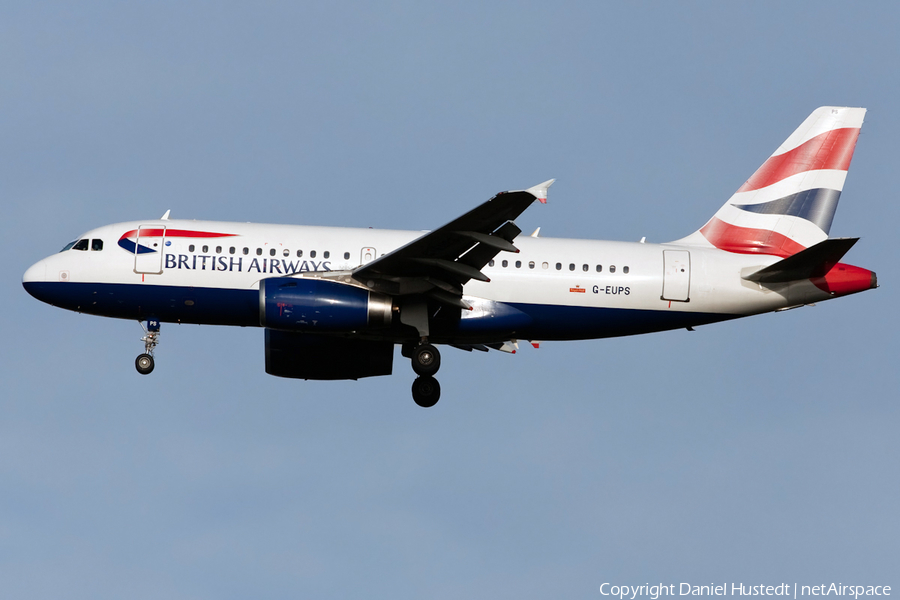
97, 245
80, 245
69, 246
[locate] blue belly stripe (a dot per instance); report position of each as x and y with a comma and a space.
215, 306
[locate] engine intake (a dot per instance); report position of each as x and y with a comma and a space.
320, 305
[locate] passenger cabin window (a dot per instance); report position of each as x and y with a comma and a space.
299, 253
191, 248
624, 269
97, 245
518, 264
559, 266
271, 251
612, 268
246, 250
287, 252
205, 249
259, 251
584, 268
80, 245
327, 254
571, 266
312, 253
531, 264
491, 264
545, 265
218, 249
346, 256
231, 250
504, 264
599, 268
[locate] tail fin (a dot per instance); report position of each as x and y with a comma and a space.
789, 203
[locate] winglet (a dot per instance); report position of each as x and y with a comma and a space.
540, 190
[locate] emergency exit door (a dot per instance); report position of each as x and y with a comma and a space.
366, 256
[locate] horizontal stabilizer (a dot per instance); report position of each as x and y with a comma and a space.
815, 261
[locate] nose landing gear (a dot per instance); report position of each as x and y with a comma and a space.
144, 363
426, 360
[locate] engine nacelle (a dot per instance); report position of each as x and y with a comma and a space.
304, 355
319, 305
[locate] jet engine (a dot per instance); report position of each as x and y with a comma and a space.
321, 306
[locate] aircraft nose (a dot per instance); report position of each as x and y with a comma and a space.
36, 272
34, 277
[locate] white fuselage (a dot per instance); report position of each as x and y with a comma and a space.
548, 277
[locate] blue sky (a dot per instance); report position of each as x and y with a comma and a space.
762, 450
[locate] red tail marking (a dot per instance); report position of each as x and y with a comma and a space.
830, 150
744, 240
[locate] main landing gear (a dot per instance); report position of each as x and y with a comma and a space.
144, 363
426, 391
426, 360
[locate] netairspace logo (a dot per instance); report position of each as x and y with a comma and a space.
654, 592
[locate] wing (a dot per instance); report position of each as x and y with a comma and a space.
441, 261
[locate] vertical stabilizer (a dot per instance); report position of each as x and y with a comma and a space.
789, 203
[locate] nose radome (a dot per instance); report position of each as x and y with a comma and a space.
36, 272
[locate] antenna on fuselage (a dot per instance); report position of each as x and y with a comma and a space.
165, 217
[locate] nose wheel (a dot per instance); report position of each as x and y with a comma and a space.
144, 363
426, 360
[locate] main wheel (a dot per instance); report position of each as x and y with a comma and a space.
426, 391
144, 364
426, 360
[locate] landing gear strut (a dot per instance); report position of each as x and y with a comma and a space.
426, 360
144, 363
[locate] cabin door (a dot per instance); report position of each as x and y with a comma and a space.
676, 275
149, 249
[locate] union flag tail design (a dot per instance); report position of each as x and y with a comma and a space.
789, 203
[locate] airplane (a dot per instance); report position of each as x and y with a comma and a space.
335, 301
